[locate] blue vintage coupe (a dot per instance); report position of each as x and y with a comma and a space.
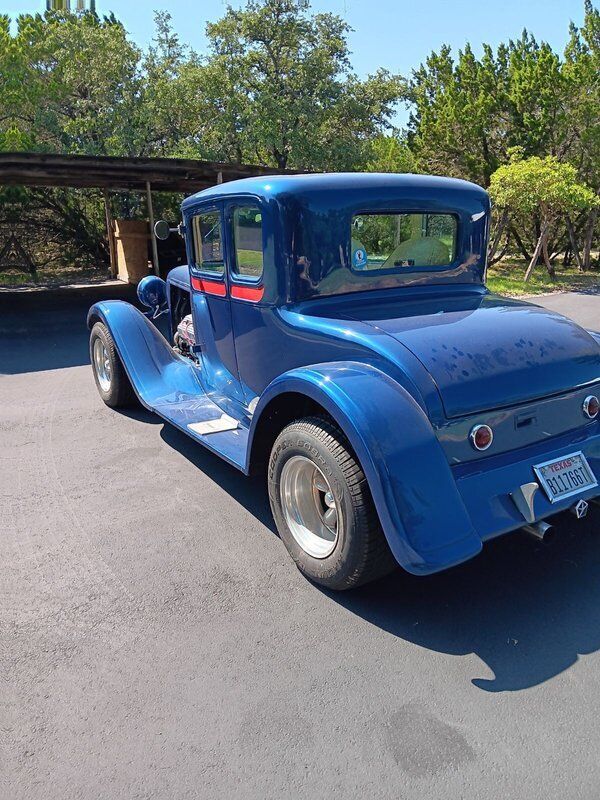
335, 333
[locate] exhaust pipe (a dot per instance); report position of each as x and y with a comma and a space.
540, 530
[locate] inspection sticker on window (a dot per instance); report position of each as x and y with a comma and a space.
359, 258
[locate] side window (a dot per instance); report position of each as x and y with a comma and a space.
248, 242
208, 242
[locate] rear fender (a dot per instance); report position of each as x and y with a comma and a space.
421, 512
151, 365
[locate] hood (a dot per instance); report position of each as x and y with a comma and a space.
485, 352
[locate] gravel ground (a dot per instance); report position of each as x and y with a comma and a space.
157, 641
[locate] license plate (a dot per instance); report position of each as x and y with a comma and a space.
566, 476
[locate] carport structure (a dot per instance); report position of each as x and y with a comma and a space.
108, 173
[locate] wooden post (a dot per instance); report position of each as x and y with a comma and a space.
152, 236
112, 250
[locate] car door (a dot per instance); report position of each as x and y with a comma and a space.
211, 307
245, 268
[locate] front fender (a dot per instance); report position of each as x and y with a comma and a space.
421, 512
595, 335
154, 370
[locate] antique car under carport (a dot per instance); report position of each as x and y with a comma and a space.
335, 333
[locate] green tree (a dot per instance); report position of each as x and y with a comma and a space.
84, 84
169, 101
456, 125
277, 88
543, 188
468, 113
389, 154
72, 84
535, 98
582, 75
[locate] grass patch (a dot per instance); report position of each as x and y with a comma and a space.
250, 262
58, 275
506, 277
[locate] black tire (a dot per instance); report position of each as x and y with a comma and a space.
119, 394
361, 553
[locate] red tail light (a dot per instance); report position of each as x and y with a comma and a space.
481, 437
591, 406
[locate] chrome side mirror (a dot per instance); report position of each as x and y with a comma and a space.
162, 230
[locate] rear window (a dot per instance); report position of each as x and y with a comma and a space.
402, 241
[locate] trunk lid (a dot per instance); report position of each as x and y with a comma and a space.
485, 352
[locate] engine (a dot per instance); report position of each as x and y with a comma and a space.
184, 337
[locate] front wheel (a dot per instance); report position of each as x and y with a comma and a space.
111, 379
323, 508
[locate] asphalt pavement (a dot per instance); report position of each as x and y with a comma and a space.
157, 641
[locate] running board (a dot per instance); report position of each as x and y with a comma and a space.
206, 422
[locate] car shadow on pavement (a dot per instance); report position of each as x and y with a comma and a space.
526, 608
46, 341
47, 330
250, 492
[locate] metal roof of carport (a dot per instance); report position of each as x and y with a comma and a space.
116, 173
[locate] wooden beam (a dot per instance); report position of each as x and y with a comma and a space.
111, 234
108, 172
152, 236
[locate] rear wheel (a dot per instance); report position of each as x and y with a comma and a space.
111, 379
323, 508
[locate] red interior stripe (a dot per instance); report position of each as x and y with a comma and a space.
252, 293
209, 287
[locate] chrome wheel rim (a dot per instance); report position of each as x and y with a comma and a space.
102, 365
309, 507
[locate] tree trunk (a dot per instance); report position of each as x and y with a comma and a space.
398, 234
547, 262
537, 251
589, 238
574, 248
496, 241
502, 252
520, 244
567, 256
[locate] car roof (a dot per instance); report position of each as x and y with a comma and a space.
269, 186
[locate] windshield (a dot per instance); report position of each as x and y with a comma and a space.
384, 242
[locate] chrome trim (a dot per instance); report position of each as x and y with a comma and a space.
309, 507
524, 499
538, 467
580, 509
473, 433
102, 365
539, 530
586, 406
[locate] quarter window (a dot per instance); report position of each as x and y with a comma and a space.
402, 241
208, 242
248, 242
